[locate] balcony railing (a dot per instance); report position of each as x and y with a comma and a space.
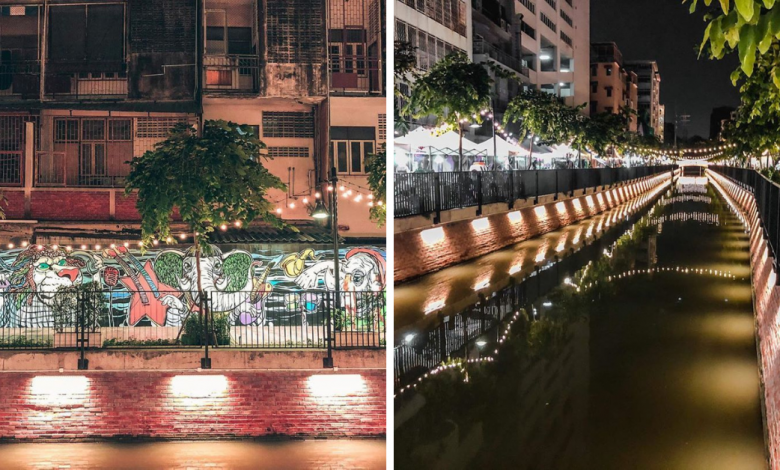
52, 170
11, 168
355, 74
137, 318
20, 81
427, 193
232, 74
483, 47
73, 81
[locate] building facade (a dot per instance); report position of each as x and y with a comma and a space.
612, 87
86, 86
555, 45
651, 117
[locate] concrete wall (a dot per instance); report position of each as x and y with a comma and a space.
460, 240
174, 406
766, 305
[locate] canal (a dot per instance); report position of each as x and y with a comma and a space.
232, 455
643, 357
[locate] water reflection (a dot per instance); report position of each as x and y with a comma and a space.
661, 374
238, 455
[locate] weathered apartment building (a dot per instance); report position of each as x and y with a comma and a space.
85, 86
612, 86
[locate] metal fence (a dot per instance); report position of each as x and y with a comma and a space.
767, 195
160, 319
426, 193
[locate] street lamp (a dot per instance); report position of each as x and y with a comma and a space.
321, 212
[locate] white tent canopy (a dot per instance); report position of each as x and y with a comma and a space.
503, 148
421, 138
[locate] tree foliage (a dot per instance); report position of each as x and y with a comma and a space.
376, 166
211, 180
544, 116
453, 89
746, 26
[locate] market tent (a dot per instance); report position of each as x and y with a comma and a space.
422, 138
503, 148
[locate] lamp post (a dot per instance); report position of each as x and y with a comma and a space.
321, 212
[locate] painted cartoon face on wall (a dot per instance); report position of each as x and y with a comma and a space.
50, 273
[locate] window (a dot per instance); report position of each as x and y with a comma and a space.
351, 146
95, 152
294, 31
288, 152
156, 128
594, 70
594, 87
609, 92
383, 127
288, 124
86, 33
608, 70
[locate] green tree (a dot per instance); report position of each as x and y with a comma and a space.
543, 115
453, 91
213, 179
404, 71
376, 166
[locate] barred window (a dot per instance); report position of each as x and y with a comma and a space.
66, 131
383, 127
120, 129
290, 152
288, 124
157, 128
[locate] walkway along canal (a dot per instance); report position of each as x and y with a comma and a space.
641, 357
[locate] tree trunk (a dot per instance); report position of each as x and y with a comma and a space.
201, 296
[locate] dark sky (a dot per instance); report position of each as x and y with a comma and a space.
664, 31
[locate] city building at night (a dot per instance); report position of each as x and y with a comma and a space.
612, 87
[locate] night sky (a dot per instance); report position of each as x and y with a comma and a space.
664, 31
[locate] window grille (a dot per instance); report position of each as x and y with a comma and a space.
288, 124
288, 152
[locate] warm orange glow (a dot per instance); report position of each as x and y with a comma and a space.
336, 385
432, 236
59, 389
199, 386
515, 217
480, 224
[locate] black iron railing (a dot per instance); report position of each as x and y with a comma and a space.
426, 193
767, 195
159, 319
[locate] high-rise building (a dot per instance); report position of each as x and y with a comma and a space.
612, 87
555, 45
649, 106
717, 118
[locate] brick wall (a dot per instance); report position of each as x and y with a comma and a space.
70, 205
169, 405
462, 241
14, 205
766, 305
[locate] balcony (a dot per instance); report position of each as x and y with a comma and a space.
53, 169
483, 47
355, 74
20, 81
76, 81
232, 74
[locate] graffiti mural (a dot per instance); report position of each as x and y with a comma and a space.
160, 287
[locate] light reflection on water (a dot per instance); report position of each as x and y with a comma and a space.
664, 377
238, 455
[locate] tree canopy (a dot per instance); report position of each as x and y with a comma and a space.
214, 179
376, 166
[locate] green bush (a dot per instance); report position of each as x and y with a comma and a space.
13, 342
193, 330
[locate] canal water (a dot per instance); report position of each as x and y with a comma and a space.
652, 366
238, 455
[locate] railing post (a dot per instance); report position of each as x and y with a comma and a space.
328, 361
511, 182
536, 196
555, 198
205, 361
437, 197
83, 362
479, 193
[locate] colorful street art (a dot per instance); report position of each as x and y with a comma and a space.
160, 287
